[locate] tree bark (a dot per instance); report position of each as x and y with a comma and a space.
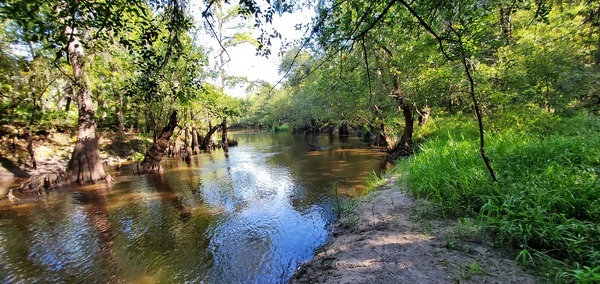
344, 130
405, 145
205, 145
382, 139
224, 135
406, 141
187, 142
85, 164
177, 147
195, 141
31, 150
424, 116
120, 124
151, 162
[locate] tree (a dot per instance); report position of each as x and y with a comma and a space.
65, 24
151, 162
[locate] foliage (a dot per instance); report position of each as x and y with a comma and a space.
136, 157
547, 195
281, 128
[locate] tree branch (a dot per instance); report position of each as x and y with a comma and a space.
379, 17
427, 27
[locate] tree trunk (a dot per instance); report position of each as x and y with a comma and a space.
187, 142
406, 141
151, 163
344, 130
205, 145
120, 124
224, 135
405, 145
424, 116
151, 125
85, 164
102, 112
381, 140
138, 123
177, 146
195, 141
505, 24
65, 100
31, 150
598, 50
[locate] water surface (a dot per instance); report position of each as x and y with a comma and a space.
253, 217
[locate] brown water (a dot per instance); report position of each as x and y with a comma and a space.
253, 217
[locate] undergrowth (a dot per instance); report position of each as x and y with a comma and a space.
547, 198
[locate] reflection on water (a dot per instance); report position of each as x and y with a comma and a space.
251, 218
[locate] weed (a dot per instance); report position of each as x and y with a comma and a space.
466, 228
467, 272
374, 182
472, 270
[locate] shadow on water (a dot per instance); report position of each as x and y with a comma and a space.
254, 216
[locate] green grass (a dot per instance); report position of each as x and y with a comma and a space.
547, 198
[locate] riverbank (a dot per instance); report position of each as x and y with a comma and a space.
389, 237
544, 204
52, 152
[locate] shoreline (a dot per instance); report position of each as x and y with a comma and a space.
387, 238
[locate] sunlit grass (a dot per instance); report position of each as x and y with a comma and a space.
547, 198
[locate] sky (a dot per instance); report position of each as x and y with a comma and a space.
244, 61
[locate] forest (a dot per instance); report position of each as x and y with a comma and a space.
489, 109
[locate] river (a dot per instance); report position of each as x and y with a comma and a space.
252, 217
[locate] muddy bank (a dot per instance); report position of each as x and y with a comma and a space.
387, 238
52, 152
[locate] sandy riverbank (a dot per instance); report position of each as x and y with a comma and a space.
387, 238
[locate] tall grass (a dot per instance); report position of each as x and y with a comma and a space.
547, 198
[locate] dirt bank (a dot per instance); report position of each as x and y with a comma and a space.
52, 153
386, 238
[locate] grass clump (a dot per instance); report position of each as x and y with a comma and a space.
547, 198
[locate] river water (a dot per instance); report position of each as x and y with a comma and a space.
252, 217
